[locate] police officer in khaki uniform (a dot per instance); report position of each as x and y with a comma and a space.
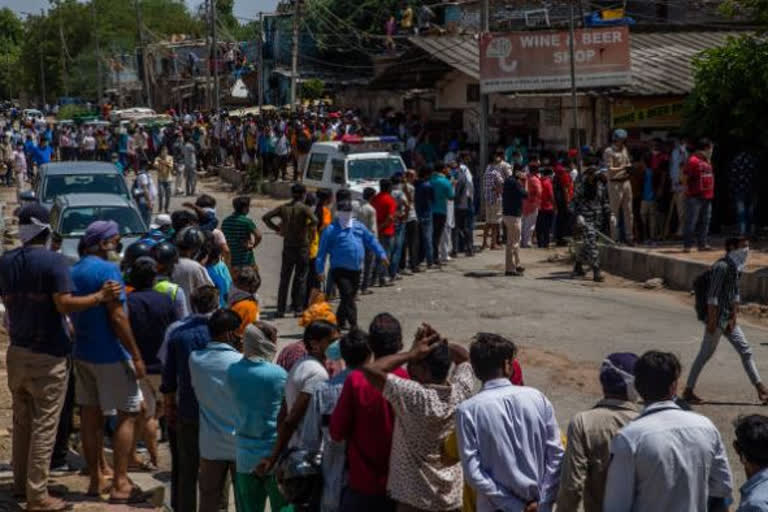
616, 160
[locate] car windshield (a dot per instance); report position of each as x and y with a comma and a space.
74, 220
373, 168
84, 184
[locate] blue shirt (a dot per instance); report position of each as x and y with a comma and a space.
95, 341
424, 196
443, 192
257, 390
219, 274
346, 246
648, 193
754, 493
42, 155
208, 369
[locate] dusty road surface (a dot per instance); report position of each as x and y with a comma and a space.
564, 328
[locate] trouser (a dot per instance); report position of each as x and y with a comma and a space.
251, 493
347, 282
387, 243
620, 197
188, 448
446, 242
514, 228
698, 213
268, 165
397, 250
301, 160
146, 212
191, 176
369, 264
544, 227
178, 181
438, 226
64, 430
281, 169
649, 216
425, 236
528, 226
411, 245
296, 263
353, 501
174, 449
744, 212
163, 196
589, 252
679, 201
462, 233
312, 282
38, 385
709, 345
212, 484
562, 223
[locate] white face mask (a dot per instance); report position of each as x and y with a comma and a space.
345, 219
739, 257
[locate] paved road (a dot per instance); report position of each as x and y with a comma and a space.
564, 328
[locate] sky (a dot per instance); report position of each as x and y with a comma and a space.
243, 8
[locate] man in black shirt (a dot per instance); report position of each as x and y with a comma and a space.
36, 288
514, 191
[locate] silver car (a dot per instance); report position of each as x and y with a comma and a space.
71, 215
77, 177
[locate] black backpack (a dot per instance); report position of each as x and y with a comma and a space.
701, 290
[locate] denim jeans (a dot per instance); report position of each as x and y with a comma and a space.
387, 243
411, 244
369, 265
462, 232
425, 225
397, 250
744, 212
698, 213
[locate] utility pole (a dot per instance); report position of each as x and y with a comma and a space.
208, 83
215, 51
295, 52
143, 51
62, 55
99, 87
574, 106
42, 65
483, 153
261, 60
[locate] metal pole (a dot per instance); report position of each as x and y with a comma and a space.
295, 53
208, 76
143, 49
42, 65
261, 60
62, 56
574, 106
99, 86
484, 103
217, 96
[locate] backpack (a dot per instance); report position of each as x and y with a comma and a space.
701, 289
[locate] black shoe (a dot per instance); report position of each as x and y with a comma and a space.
520, 269
366, 292
578, 271
280, 314
512, 273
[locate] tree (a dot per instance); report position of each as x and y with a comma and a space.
729, 98
11, 35
755, 12
312, 89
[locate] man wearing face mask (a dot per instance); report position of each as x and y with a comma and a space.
723, 304
591, 207
588, 452
37, 290
107, 363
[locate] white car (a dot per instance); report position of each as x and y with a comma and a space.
32, 115
353, 163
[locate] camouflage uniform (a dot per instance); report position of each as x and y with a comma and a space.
596, 212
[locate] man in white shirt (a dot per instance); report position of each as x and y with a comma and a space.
677, 159
509, 441
667, 459
188, 273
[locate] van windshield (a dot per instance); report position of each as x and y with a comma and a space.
373, 168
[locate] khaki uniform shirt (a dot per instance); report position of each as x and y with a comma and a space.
588, 453
613, 157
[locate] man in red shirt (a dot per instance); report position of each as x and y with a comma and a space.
699, 180
386, 208
546, 215
531, 203
365, 420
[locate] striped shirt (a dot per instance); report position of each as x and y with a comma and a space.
237, 229
724, 289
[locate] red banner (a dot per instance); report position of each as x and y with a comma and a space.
540, 60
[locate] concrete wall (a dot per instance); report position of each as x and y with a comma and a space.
639, 265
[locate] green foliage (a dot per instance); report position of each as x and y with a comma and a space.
11, 35
755, 12
344, 25
729, 99
312, 89
71, 111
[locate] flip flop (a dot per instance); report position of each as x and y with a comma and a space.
143, 467
136, 496
106, 490
62, 507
